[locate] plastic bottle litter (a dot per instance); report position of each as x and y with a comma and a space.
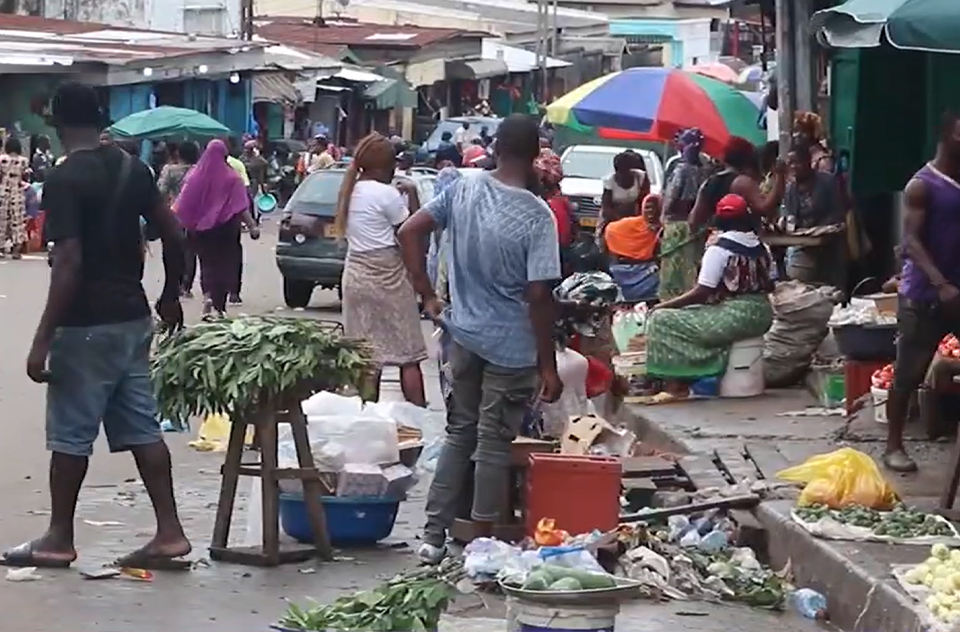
678, 526
809, 603
713, 542
690, 539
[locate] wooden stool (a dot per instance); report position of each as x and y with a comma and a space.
265, 421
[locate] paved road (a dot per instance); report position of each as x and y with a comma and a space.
220, 597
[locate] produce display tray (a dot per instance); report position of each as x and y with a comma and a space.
830, 529
625, 590
919, 594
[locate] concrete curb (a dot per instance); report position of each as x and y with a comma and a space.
858, 600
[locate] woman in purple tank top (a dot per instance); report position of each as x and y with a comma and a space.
929, 306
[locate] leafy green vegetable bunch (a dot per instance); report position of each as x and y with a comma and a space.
229, 365
400, 605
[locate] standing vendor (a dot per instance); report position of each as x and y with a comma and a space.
929, 305
812, 199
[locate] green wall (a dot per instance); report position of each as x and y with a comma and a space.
16, 93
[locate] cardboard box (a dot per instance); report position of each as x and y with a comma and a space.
886, 303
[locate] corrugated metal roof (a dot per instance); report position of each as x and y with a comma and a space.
48, 42
304, 33
517, 59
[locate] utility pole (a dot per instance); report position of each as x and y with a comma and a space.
246, 19
541, 43
785, 73
802, 62
553, 31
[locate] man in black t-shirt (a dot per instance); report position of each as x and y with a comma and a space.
93, 342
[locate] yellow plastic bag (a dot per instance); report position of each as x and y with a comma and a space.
214, 434
841, 478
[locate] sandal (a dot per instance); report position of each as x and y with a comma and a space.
144, 560
25, 556
899, 461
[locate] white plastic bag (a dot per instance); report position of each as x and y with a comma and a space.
327, 403
572, 368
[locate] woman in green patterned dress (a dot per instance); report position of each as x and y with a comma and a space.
678, 267
689, 337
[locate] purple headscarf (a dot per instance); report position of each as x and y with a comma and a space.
212, 193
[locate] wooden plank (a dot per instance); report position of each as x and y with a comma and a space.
647, 466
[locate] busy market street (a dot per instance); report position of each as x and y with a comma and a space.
114, 513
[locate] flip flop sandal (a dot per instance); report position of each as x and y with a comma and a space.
24, 556
153, 562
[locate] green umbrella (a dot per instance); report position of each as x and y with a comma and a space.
925, 25
167, 121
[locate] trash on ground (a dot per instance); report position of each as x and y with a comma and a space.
25, 574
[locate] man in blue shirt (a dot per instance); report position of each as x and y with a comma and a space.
503, 257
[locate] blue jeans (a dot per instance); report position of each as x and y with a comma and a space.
101, 373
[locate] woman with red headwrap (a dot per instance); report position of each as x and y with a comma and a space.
550, 173
689, 337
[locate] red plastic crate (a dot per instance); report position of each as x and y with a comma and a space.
581, 493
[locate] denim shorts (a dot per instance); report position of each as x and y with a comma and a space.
101, 373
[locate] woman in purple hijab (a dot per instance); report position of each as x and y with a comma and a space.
212, 206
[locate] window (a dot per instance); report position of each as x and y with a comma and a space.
204, 21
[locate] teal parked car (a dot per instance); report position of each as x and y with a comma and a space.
308, 251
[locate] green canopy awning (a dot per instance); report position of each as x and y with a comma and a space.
387, 94
924, 25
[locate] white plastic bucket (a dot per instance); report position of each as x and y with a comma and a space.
879, 404
744, 374
538, 617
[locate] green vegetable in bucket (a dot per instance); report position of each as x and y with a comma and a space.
567, 583
536, 581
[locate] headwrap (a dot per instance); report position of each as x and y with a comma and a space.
548, 167
690, 144
212, 191
810, 123
732, 206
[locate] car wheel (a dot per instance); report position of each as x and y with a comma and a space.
297, 293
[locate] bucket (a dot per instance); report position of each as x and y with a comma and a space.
879, 404
539, 617
266, 203
744, 374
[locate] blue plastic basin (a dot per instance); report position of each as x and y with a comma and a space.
351, 521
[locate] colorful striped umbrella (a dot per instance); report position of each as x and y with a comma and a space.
656, 103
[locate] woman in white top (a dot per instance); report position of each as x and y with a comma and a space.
379, 304
623, 189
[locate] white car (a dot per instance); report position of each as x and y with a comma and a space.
585, 167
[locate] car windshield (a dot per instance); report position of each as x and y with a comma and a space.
433, 141
596, 165
318, 194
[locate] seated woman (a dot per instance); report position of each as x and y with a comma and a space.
689, 337
632, 245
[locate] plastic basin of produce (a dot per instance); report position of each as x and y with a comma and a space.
351, 521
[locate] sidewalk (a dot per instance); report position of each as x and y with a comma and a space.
855, 577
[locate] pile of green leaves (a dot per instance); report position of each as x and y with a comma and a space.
759, 588
229, 365
407, 605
